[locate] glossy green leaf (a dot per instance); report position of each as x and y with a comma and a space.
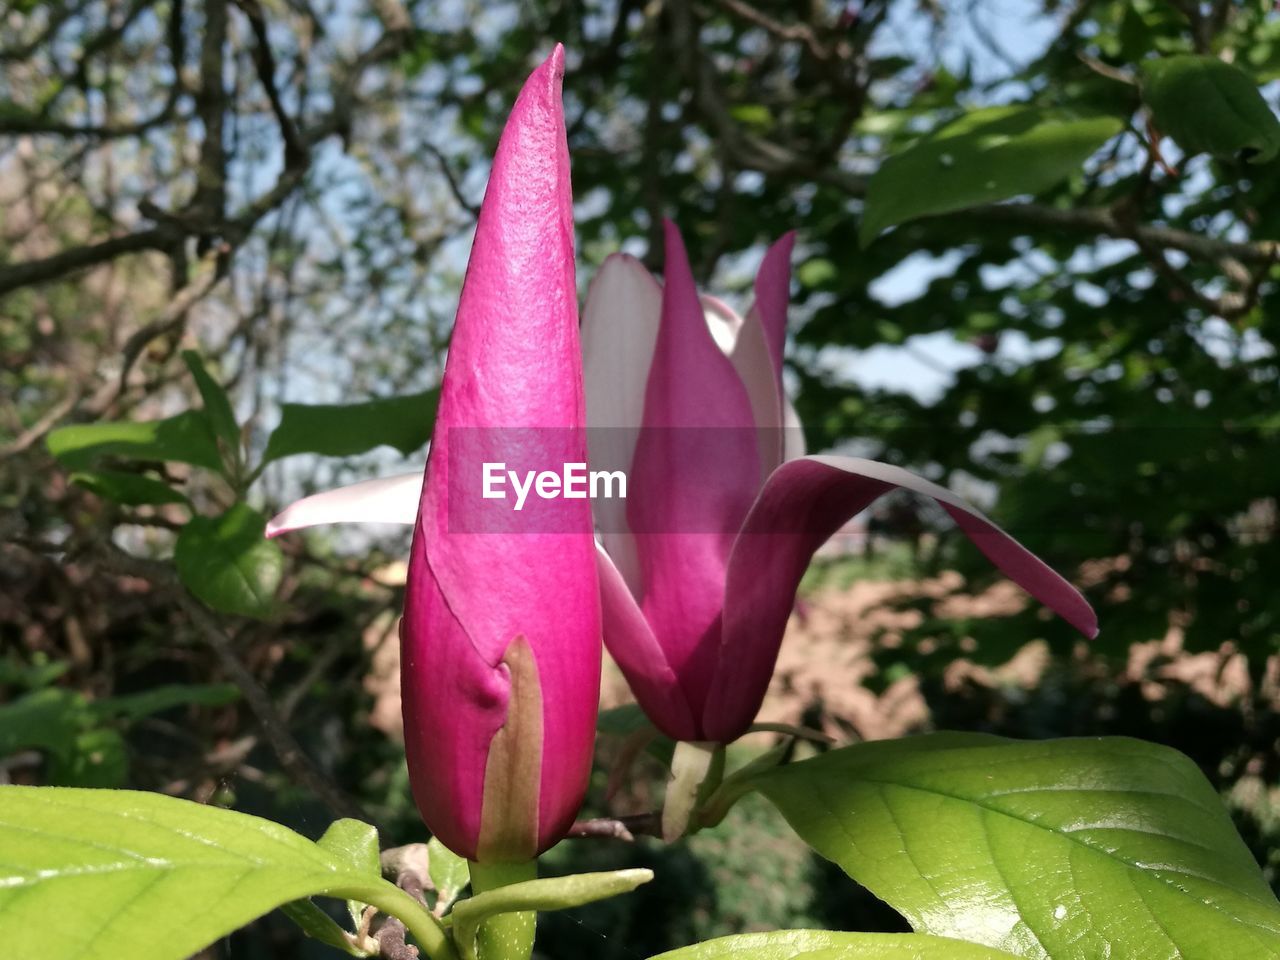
185, 438
141, 875
985, 156
217, 407
1209, 106
336, 430
1062, 849
827, 945
226, 562
130, 489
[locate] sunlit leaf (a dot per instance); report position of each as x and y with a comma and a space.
142, 875
827, 945
1062, 849
985, 156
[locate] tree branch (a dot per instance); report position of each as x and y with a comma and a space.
58, 265
292, 759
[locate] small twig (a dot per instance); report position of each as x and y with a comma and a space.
451, 179
288, 751
1106, 70
390, 939
34, 433
295, 150
618, 828
409, 866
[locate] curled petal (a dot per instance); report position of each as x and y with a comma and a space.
385, 500
804, 502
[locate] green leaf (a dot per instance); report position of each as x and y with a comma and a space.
130, 489
449, 872
226, 562
217, 407
355, 842
341, 431
318, 925
1060, 849
622, 721
825, 945
60, 725
987, 155
1209, 106
134, 705
129, 874
185, 438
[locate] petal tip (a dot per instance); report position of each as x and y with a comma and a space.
552, 71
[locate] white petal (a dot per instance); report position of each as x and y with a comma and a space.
385, 500
619, 329
793, 439
755, 366
723, 322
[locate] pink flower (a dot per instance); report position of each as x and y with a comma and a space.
500, 641
702, 561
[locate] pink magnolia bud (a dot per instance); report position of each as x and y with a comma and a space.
500, 641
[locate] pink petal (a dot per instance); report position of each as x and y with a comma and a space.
640, 657
694, 476
445, 682
804, 503
755, 345
514, 362
773, 295
619, 330
385, 500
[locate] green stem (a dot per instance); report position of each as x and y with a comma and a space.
505, 936
394, 902
696, 770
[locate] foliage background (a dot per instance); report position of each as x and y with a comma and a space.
288, 187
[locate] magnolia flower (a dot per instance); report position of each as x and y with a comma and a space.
700, 565
500, 640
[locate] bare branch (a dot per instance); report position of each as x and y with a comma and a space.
78, 258
292, 759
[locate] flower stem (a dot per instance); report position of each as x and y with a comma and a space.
505, 936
